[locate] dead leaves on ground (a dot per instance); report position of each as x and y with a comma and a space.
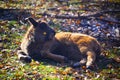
11, 68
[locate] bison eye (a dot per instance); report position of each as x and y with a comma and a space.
44, 33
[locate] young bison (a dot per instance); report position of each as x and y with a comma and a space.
41, 41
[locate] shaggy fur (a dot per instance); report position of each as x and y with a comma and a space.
41, 41
77, 47
36, 43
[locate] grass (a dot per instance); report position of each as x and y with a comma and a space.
11, 33
11, 68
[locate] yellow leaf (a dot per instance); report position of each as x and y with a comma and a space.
34, 72
17, 75
68, 70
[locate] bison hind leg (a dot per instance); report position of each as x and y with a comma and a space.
23, 57
90, 59
82, 62
88, 62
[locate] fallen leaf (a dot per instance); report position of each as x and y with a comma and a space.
98, 25
3, 71
68, 70
101, 17
117, 59
84, 67
34, 72
78, 22
1, 66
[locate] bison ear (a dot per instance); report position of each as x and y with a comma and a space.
33, 22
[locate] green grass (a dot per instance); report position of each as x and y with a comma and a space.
11, 68
11, 33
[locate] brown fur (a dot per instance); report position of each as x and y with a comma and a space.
76, 46
63, 45
37, 42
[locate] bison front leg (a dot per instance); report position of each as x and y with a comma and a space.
55, 57
46, 52
23, 57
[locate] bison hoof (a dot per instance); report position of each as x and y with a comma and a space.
90, 67
26, 59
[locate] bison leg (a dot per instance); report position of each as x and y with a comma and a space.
90, 58
23, 57
55, 57
81, 63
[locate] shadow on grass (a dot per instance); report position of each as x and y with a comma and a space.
101, 63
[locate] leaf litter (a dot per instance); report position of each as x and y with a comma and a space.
11, 35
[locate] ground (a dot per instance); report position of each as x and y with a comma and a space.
13, 27
12, 68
